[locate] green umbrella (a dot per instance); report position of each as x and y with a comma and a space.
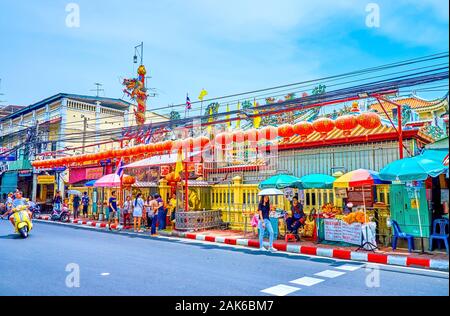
417, 168
279, 181
316, 181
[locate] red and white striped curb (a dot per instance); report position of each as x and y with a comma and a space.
407, 261
87, 223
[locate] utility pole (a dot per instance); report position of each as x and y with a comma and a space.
84, 133
98, 88
36, 145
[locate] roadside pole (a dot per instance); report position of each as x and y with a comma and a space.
84, 134
35, 152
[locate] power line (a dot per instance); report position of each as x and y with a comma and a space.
309, 83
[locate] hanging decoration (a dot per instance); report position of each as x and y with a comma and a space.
303, 129
323, 126
136, 91
268, 133
369, 120
285, 131
346, 123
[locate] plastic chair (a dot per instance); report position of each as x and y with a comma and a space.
441, 233
399, 234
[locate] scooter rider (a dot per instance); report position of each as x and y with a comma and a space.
19, 200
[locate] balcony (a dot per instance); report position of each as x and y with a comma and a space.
21, 164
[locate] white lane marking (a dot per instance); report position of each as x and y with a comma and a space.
329, 274
348, 267
104, 274
307, 281
280, 290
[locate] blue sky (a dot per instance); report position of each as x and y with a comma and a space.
224, 46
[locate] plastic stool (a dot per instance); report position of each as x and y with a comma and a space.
290, 237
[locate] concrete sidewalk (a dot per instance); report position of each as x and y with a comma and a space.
437, 260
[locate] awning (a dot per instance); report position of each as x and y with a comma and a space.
440, 144
160, 160
197, 183
145, 184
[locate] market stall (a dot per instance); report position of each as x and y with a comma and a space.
412, 213
353, 224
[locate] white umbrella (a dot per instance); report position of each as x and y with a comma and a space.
270, 192
74, 192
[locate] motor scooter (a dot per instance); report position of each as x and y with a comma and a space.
22, 222
60, 215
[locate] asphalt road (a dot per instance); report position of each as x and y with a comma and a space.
120, 264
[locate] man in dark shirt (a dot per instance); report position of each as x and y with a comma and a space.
85, 203
112, 208
298, 217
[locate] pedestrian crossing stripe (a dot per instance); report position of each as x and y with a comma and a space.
280, 290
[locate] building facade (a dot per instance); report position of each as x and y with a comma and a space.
68, 123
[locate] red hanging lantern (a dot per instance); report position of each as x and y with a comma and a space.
176, 145
269, 133
188, 144
196, 143
223, 139
141, 149
149, 148
118, 153
285, 131
303, 129
204, 142
369, 120
323, 125
346, 123
128, 180
252, 135
238, 137
134, 151
167, 145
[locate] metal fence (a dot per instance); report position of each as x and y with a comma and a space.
198, 220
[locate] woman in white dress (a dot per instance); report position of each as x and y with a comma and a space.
138, 207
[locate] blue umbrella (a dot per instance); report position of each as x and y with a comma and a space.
316, 181
90, 183
417, 168
279, 181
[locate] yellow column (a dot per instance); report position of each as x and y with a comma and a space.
163, 188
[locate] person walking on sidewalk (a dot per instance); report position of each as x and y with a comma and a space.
161, 213
154, 208
76, 205
126, 211
149, 209
85, 203
57, 200
264, 223
138, 207
112, 203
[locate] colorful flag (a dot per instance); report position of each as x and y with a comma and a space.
119, 166
188, 102
203, 94
257, 119
179, 164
